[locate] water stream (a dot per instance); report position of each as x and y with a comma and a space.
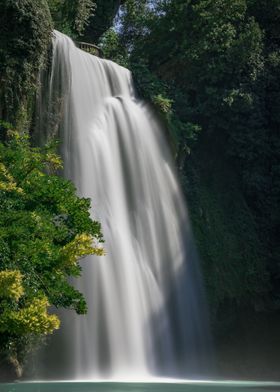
146, 310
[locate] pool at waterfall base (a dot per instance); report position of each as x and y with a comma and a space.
111, 386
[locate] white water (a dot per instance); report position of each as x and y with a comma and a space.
144, 297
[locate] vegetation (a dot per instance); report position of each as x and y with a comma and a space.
25, 29
84, 18
44, 230
212, 69
71, 17
101, 20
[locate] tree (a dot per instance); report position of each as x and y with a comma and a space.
102, 19
71, 17
44, 230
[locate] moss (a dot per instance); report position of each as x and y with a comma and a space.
25, 29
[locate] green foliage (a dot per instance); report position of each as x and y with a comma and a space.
112, 47
101, 20
29, 319
11, 284
25, 29
71, 17
168, 103
44, 230
226, 234
84, 18
164, 104
134, 22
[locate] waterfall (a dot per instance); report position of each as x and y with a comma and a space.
145, 298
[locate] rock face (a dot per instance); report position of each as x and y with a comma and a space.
10, 370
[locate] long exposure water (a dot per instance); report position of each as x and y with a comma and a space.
146, 312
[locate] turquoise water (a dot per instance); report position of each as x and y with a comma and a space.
139, 387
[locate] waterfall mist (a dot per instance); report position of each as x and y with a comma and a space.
146, 312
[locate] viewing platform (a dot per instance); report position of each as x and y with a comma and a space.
90, 48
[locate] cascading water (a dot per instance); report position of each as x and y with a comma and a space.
144, 297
